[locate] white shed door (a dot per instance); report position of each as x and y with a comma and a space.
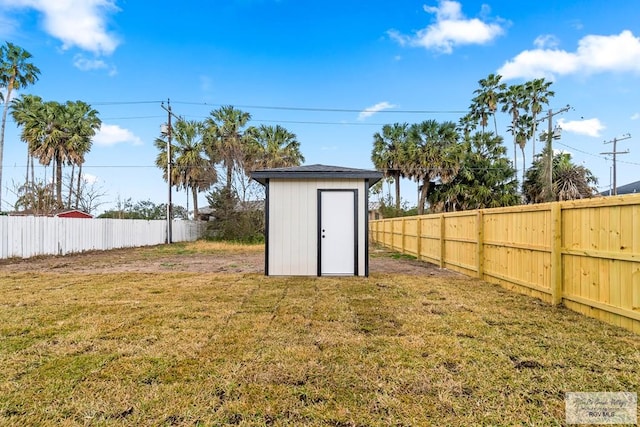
337, 232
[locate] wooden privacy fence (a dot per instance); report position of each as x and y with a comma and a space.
27, 236
584, 254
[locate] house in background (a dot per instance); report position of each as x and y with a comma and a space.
316, 220
66, 213
72, 213
633, 188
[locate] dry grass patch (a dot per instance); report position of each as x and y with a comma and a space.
244, 349
203, 247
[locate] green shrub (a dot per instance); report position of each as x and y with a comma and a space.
231, 223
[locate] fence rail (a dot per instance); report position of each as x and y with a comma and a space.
584, 254
28, 236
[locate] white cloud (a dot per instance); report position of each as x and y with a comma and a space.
370, 111
595, 54
89, 178
635, 116
546, 41
577, 25
588, 127
85, 64
450, 29
109, 135
80, 23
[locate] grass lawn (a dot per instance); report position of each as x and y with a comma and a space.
172, 348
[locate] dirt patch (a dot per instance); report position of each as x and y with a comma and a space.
382, 260
143, 260
153, 260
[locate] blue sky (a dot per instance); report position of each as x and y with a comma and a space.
376, 62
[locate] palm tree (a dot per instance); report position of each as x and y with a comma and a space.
512, 100
226, 138
485, 102
40, 130
467, 124
193, 170
521, 134
486, 178
389, 153
23, 111
46, 136
16, 72
537, 94
276, 148
56, 133
569, 180
82, 122
433, 155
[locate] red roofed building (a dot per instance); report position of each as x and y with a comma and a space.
73, 213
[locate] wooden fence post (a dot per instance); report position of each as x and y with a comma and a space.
385, 235
419, 237
556, 254
402, 233
480, 247
442, 242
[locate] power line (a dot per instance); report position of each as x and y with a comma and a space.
288, 108
88, 166
580, 151
322, 109
614, 153
319, 123
124, 102
629, 163
132, 118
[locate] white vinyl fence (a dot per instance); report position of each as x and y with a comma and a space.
27, 236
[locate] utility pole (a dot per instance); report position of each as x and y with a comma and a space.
549, 181
167, 131
614, 153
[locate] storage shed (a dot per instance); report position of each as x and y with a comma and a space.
316, 220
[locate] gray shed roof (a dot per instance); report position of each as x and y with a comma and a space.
315, 172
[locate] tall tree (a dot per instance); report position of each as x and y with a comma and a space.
486, 178
82, 122
389, 153
194, 171
41, 129
24, 111
56, 133
537, 94
570, 181
513, 101
275, 147
226, 138
434, 155
485, 103
16, 72
467, 124
521, 133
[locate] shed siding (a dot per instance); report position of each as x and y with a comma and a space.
293, 218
